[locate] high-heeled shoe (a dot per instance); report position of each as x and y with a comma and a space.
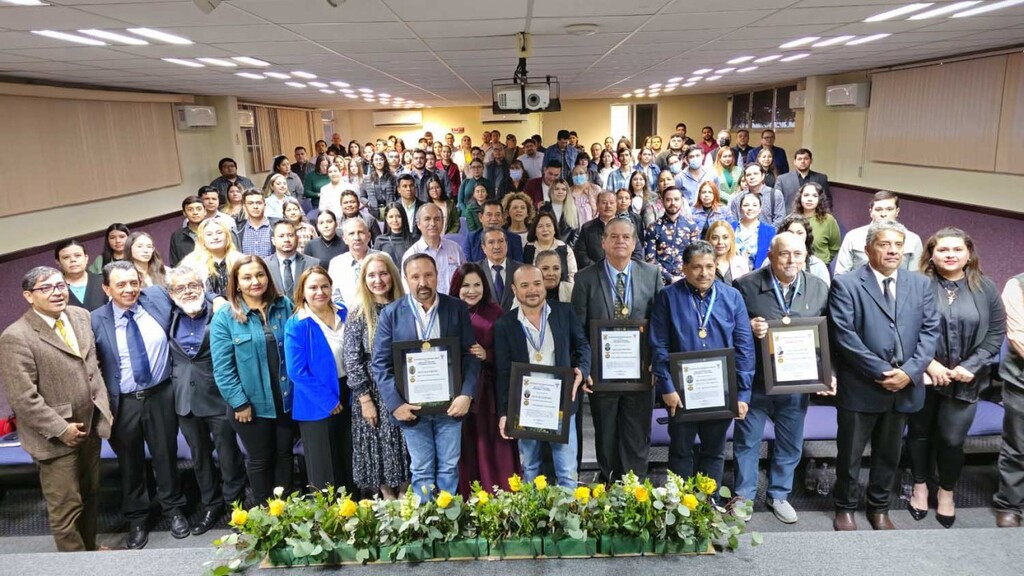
915, 513
946, 521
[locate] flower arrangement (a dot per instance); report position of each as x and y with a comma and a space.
628, 517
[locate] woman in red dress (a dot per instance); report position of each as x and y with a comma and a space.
485, 455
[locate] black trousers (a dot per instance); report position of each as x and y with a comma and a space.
327, 445
936, 434
149, 421
269, 442
711, 454
622, 432
885, 432
1011, 457
204, 434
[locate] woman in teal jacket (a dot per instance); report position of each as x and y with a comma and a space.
313, 344
247, 344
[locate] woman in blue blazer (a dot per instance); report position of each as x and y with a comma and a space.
313, 346
753, 236
247, 344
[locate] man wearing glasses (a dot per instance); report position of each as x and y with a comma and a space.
52, 380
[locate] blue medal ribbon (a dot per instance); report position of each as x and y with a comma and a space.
424, 332
706, 318
543, 331
612, 273
777, 290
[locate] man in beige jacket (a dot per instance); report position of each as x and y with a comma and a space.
53, 383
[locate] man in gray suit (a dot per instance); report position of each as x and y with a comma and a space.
791, 182
498, 266
884, 327
202, 412
286, 263
52, 380
618, 288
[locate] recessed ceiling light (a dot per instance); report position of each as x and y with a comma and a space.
582, 29
897, 12
295, 84
800, 56
747, 69
833, 41
688, 84
251, 75
250, 61
347, 91
114, 37
26, 2
218, 62
654, 92
657, 85
340, 84
353, 96
712, 78
306, 75
638, 91
318, 84
800, 42
693, 79
69, 37
383, 95
326, 91
366, 91
987, 8
943, 10
181, 62
866, 39
676, 79
161, 36
671, 86
278, 75
764, 59
702, 71
724, 70
398, 99
740, 60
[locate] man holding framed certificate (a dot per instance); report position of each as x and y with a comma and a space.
701, 316
776, 295
425, 317
540, 334
613, 298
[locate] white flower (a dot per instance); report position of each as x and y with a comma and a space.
279, 491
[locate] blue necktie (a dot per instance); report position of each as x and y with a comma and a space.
137, 352
499, 284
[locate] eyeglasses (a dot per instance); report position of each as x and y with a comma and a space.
190, 287
48, 289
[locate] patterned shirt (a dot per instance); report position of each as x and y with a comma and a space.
256, 240
665, 242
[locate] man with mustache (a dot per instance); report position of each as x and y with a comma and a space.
446, 254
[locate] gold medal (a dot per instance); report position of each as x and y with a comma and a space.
538, 357
426, 345
786, 320
625, 311
702, 333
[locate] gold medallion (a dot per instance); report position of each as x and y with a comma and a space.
625, 311
426, 345
786, 320
538, 357
702, 333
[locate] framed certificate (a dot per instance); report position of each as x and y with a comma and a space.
428, 374
795, 357
706, 383
538, 402
622, 355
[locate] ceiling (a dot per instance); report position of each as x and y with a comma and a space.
446, 52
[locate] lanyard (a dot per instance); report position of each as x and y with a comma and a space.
627, 299
538, 355
777, 290
424, 331
704, 319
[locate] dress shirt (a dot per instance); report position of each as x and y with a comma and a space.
410, 215
688, 184
567, 158
190, 332
503, 274
344, 276
335, 336
156, 347
256, 240
547, 348
532, 165
52, 323
448, 257
881, 278
424, 319
851, 253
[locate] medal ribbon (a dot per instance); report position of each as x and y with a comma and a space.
424, 332
706, 318
612, 274
777, 290
543, 330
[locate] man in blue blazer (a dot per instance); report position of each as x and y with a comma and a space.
884, 327
434, 440
132, 346
548, 333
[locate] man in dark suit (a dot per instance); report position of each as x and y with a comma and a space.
73, 263
491, 216
622, 420
884, 326
53, 383
131, 341
589, 247
547, 333
791, 182
434, 440
499, 267
202, 412
776, 292
286, 264
539, 189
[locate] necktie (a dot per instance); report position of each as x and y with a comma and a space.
620, 293
289, 278
137, 352
499, 284
890, 300
59, 326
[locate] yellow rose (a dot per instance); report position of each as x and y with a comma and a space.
276, 507
239, 517
482, 497
583, 494
541, 482
708, 486
598, 490
641, 494
347, 508
515, 483
444, 499
365, 503
690, 501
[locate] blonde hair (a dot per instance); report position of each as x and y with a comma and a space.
732, 234
269, 191
531, 210
365, 305
202, 260
568, 205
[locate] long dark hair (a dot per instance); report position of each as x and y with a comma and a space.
794, 218
234, 295
107, 256
823, 209
406, 234
460, 276
385, 173
972, 270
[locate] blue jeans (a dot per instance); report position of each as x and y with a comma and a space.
787, 413
564, 456
435, 443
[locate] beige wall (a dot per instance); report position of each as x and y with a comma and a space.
358, 124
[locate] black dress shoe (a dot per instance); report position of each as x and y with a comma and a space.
209, 520
138, 537
179, 526
917, 514
946, 521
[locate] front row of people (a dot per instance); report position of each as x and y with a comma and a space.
906, 346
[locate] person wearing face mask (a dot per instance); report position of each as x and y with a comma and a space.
692, 174
584, 195
517, 178
675, 146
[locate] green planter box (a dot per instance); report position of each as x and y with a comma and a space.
676, 547
570, 547
625, 546
345, 552
467, 548
412, 552
285, 557
519, 547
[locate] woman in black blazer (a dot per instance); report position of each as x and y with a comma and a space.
972, 327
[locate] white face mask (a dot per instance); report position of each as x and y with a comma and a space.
695, 164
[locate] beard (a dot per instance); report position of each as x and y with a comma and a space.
191, 307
